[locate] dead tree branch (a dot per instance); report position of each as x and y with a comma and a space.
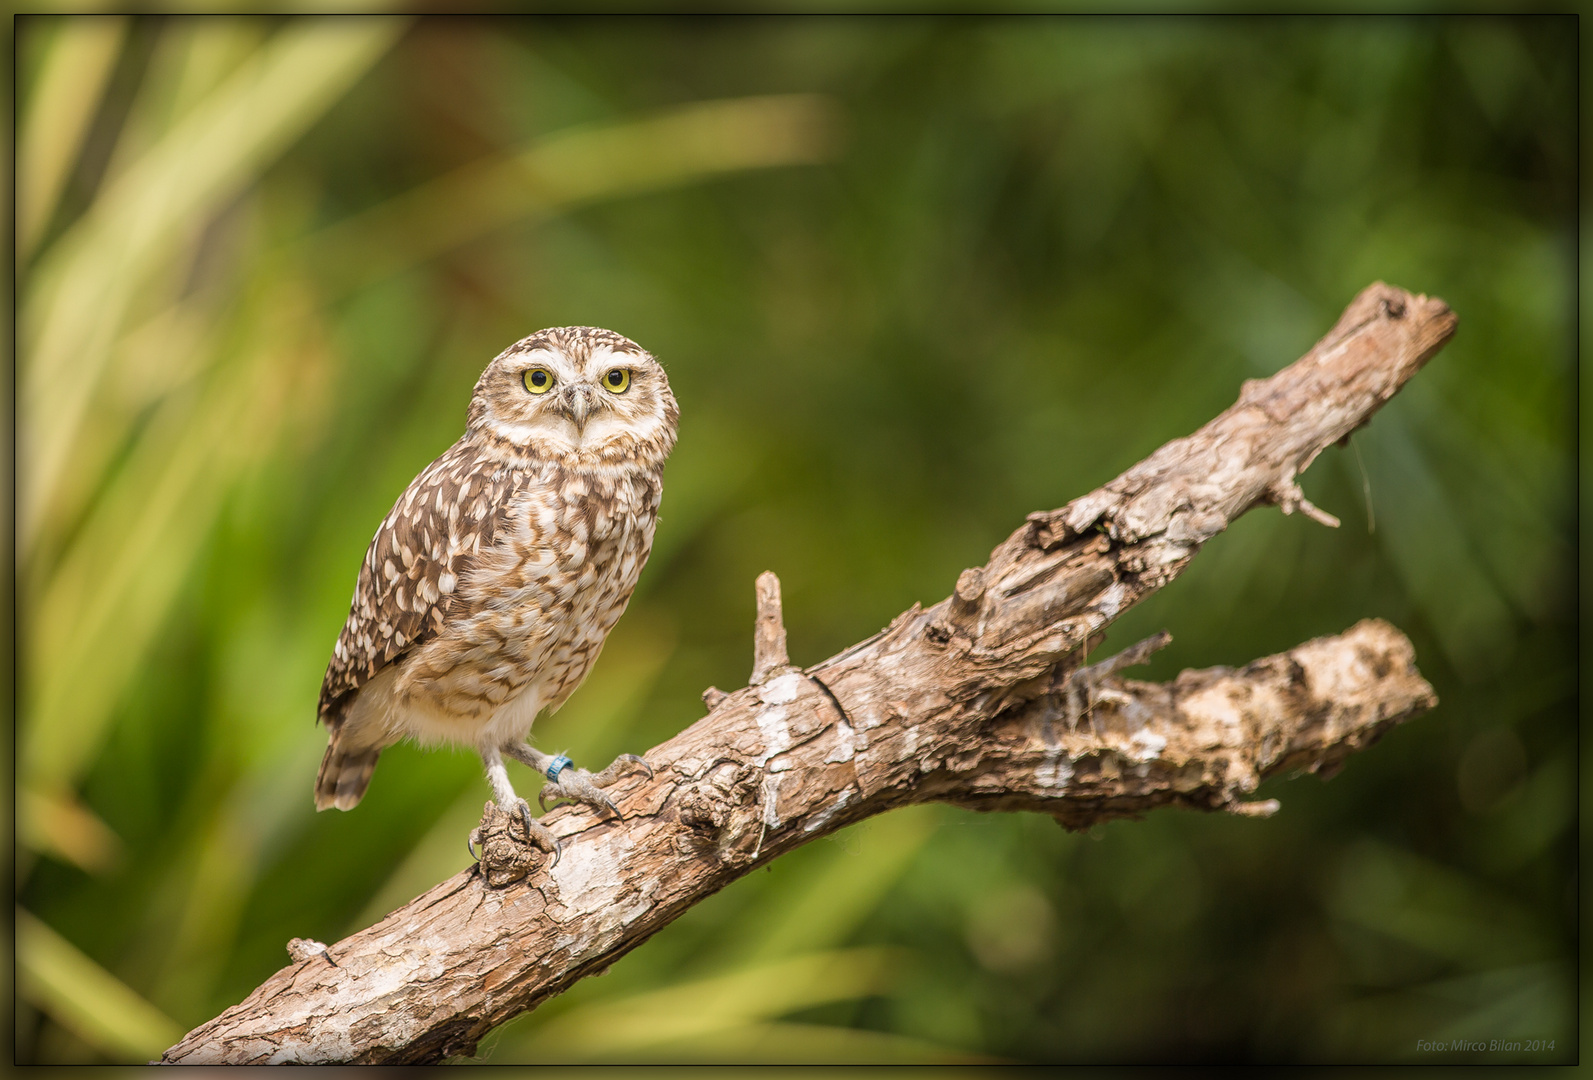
979, 700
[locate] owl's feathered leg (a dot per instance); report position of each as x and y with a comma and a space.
503, 794
565, 781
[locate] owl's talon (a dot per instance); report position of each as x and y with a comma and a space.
612, 773
542, 836
578, 785
470, 844
522, 810
585, 794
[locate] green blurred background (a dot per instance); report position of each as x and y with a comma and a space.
911, 280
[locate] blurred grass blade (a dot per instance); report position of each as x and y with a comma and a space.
80, 295
54, 976
112, 589
76, 69
573, 167
202, 933
189, 60
723, 1002
58, 825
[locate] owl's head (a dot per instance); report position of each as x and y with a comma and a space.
576, 390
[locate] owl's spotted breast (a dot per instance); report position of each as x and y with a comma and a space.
533, 611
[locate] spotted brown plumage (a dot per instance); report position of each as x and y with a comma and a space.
488, 590
408, 582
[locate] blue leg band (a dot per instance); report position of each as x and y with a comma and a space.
558, 765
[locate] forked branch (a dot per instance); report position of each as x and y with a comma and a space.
980, 701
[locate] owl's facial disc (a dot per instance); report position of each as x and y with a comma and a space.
563, 403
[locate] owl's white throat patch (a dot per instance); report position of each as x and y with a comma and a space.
558, 434
558, 430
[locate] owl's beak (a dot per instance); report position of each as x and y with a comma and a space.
577, 402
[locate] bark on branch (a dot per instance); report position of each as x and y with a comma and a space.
979, 700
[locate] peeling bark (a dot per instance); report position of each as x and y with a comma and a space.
979, 701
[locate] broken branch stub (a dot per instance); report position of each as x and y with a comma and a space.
768, 635
958, 703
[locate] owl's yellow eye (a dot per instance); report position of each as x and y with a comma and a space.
538, 380
617, 380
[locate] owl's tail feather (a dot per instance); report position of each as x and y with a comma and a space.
344, 776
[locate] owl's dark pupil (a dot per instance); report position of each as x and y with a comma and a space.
615, 378
539, 378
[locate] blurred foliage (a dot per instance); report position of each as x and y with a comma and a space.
912, 279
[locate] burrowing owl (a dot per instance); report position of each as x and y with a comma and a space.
487, 591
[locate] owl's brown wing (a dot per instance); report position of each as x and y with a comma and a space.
448, 516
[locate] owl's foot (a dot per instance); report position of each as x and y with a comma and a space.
512, 844
523, 823
566, 782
